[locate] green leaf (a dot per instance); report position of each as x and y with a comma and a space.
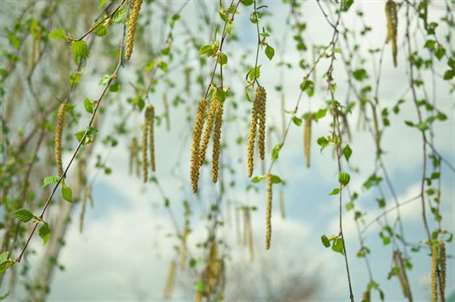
247, 2
222, 58
44, 232
57, 34
338, 246
79, 50
296, 120
67, 193
322, 142
276, 179
344, 178
24, 215
88, 105
276, 152
335, 191
325, 241
254, 73
346, 5
347, 151
257, 179
360, 74
269, 52
308, 87
50, 180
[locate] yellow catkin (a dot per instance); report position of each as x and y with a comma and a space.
197, 133
307, 139
150, 122
434, 269
282, 205
213, 268
392, 25
252, 138
208, 129
261, 96
250, 234
133, 154
132, 23
402, 276
268, 213
442, 268
58, 138
217, 127
144, 152
170, 281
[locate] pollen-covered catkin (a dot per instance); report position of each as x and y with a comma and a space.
442, 268
150, 124
144, 152
197, 133
218, 125
252, 130
392, 25
268, 213
402, 276
58, 138
132, 23
434, 271
170, 281
307, 139
261, 96
208, 129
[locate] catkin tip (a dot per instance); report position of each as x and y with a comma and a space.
216, 151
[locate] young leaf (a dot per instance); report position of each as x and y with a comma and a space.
325, 241
67, 193
269, 52
50, 180
347, 151
44, 232
24, 215
344, 178
338, 245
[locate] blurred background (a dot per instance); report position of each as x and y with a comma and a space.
117, 240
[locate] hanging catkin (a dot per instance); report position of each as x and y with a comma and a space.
252, 137
307, 139
249, 230
257, 124
261, 96
144, 152
434, 272
132, 23
268, 213
392, 25
442, 269
58, 138
208, 129
150, 124
170, 281
402, 276
197, 132
218, 124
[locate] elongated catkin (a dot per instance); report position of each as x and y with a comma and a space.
392, 27
249, 234
132, 24
144, 152
402, 276
434, 272
307, 139
59, 124
268, 213
261, 96
214, 104
442, 269
150, 124
197, 133
216, 151
252, 130
170, 281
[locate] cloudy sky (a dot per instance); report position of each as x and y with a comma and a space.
124, 251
